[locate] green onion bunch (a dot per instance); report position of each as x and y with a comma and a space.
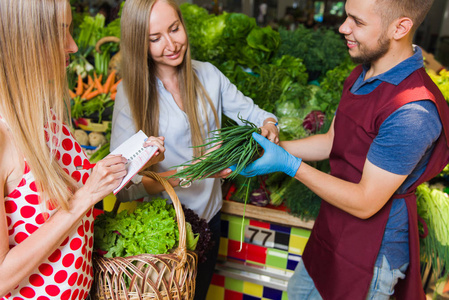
433, 208
237, 148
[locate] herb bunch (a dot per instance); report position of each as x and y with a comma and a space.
201, 228
236, 147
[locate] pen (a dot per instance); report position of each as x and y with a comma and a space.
86, 166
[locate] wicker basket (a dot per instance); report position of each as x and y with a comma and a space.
147, 276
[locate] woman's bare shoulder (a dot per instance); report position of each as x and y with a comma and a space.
11, 162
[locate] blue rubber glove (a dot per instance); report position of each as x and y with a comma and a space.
274, 159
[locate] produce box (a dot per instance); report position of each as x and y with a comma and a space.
88, 125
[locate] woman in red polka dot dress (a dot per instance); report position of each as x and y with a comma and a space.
46, 205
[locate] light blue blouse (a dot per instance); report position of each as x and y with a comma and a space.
204, 196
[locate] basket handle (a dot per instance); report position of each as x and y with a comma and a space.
182, 249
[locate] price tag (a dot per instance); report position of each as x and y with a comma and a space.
259, 236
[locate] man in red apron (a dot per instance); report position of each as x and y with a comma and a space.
390, 133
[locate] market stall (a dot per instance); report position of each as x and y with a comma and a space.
298, 75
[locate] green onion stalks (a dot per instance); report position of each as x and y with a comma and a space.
237, 148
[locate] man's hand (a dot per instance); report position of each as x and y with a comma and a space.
274, 159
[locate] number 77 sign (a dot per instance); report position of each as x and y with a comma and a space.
259, 236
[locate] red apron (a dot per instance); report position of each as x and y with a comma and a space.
342, 249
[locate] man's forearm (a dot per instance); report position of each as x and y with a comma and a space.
313, 148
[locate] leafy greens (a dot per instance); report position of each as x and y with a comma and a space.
151, 228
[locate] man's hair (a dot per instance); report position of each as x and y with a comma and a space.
391, 10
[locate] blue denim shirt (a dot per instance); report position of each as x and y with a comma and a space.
403, 146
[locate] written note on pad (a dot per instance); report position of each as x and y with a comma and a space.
137, 155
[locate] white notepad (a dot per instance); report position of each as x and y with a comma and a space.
137, 155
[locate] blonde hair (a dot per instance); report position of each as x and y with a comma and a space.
33, 87
139, 79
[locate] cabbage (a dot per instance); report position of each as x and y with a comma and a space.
291, 128
287, 109
314, 121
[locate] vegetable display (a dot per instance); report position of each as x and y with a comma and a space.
321, 50
285, 79
297, 75
314, 121
327, 96
91, 99
228, 37
442, 81
433, 208
87, 31
238, 190
100, 153
96, 139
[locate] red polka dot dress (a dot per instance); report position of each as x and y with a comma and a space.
67, 272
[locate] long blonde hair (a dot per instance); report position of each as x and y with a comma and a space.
33, 87
139, 79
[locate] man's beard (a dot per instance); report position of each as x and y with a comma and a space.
367, 56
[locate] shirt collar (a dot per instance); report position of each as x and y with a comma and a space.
399, 72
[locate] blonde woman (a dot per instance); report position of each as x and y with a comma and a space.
46, 205
166, 93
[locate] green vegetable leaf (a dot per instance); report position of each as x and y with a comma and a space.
192, 239
265, 39
151, 228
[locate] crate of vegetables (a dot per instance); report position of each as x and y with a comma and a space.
92, 102
168, 275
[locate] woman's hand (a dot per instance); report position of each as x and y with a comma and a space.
223, 173
107, 174
159, 155
270, 131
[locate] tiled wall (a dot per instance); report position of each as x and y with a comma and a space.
234, 289
267, 246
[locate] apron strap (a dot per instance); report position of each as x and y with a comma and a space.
420, 220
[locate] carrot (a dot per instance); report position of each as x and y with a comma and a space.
98, 77
72, 94
90, 81
114, 87
113, 95
88, 91
98, 85
109, 82
79, 88
92, 94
